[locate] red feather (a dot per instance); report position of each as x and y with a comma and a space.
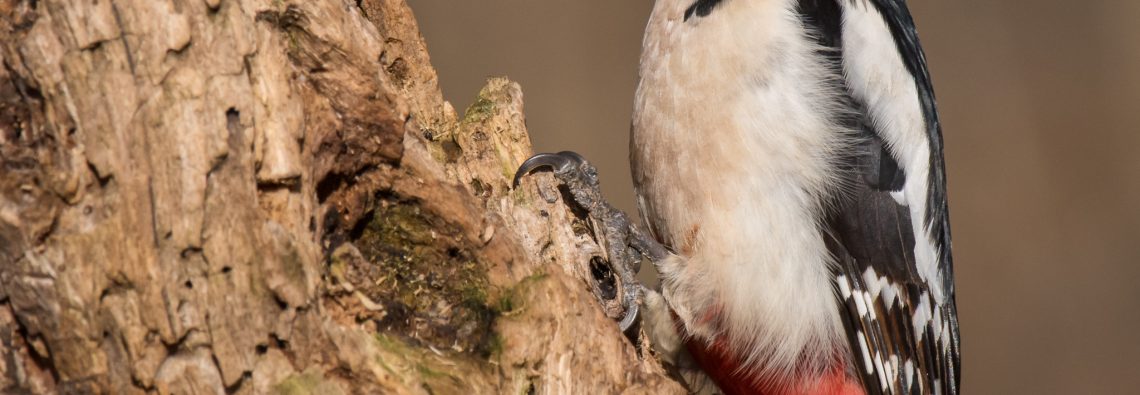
725, 370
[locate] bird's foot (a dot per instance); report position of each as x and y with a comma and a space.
624, 243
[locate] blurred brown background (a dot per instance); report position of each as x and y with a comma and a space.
1040, 102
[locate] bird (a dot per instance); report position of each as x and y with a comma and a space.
787, 158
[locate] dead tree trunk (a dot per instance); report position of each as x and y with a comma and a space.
271, 196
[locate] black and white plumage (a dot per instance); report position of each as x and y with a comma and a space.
895, 272
790, 152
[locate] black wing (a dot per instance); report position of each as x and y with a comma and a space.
903, 338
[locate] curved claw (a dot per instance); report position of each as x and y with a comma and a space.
633, 292
630, 318
559, 162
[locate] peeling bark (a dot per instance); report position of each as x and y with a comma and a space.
271, 196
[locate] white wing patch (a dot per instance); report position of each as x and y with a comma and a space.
879, 287
877, 76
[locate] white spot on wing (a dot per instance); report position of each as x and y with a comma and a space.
844, 287
866, 355
908, 368
936, 323
872, 280
870, 305
882, 371
892, 366
890, 294
921, 315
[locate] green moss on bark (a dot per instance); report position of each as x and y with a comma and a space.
418, 267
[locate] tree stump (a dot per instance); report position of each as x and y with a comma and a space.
271, 196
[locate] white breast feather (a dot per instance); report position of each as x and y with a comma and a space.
732, 152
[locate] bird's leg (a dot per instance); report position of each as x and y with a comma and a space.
624, 243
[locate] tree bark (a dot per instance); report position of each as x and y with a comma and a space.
271, 196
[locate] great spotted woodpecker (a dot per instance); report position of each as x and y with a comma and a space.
788, 156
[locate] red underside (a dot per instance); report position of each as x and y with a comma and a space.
724, 368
